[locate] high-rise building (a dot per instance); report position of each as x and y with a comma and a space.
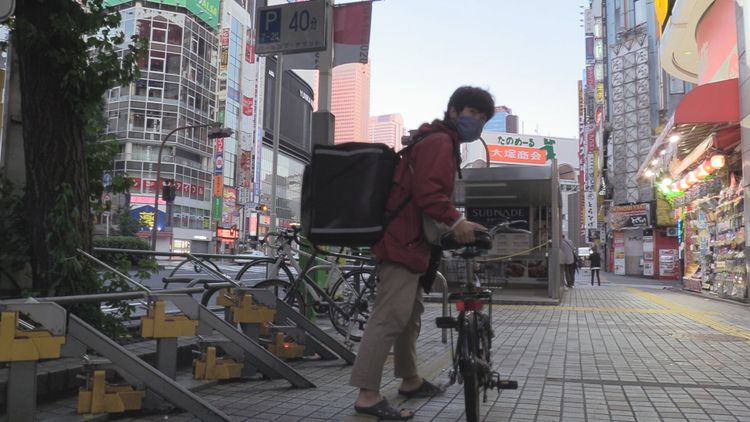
387, 129
176, 88
350, 102
503, 121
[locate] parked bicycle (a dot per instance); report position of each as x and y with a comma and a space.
472, 362
347, 295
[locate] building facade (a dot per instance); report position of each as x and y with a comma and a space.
387, 129
350, 102
624, 98
176, 88
201, 68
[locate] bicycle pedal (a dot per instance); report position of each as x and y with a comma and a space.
507, 384
446, 322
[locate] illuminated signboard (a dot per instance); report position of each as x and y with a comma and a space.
230, 233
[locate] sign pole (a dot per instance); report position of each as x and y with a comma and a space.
276, 134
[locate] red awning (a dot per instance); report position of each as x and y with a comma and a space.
717, 102
706, 109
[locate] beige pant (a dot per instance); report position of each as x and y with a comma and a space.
395, 321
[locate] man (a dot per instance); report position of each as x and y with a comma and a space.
427, 174
567, 261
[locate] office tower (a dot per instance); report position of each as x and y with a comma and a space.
387, 129
350, 102
503, 121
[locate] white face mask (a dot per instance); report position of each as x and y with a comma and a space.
469, 128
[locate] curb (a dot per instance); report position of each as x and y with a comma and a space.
716, 298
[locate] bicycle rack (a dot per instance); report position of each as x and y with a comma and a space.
23, 349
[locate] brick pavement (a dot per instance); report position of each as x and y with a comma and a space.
629, 350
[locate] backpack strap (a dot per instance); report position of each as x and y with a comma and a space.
391, 216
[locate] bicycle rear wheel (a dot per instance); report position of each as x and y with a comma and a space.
354, 297
470, 368
281, 288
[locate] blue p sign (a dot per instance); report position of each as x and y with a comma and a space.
270, 26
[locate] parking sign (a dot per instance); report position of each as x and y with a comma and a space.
291, 28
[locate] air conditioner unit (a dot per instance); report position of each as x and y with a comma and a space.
672, 231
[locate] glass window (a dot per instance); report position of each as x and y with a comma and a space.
158, 35
174, 36
676, 86
153, 124
171, 91
137, 121
155, 93
144, 28
173, 63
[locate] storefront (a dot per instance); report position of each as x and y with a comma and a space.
696, 161
640, 245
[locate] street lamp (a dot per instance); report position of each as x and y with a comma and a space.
212, 134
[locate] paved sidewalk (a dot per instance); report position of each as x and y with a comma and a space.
630, 350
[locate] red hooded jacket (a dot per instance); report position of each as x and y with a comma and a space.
428, 173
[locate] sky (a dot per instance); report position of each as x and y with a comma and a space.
528, 53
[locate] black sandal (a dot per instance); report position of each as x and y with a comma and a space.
425, 390
383, 410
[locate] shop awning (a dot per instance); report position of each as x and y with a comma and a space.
712, 108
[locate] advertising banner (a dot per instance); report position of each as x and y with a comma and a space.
629, 216
230, 213
504, 244
205, 10
521, 155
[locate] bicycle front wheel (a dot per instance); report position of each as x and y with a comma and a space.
353, 299
262, 269
469, 368
282, 291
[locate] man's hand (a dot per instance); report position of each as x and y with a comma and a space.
464, 231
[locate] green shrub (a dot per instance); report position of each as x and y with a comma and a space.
124, 242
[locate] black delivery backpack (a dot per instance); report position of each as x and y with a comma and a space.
344, 192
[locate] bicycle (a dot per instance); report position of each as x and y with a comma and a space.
278, 245
348, 296
472, 363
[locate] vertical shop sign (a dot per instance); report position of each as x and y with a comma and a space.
619, 260
250, 46
230, 213
218, 178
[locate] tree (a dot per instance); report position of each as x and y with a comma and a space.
68, 58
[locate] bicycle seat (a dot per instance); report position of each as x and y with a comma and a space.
482, 241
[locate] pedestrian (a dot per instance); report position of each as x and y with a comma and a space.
596, 262
427, 174
567, 261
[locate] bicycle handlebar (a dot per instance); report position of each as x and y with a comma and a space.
482, 241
